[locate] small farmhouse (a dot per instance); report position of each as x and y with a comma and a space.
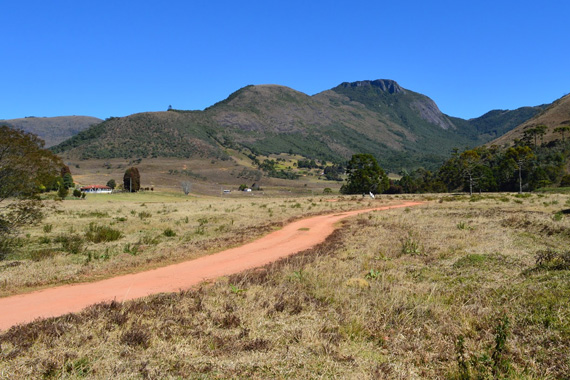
96, 189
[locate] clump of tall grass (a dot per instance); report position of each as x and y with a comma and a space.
98, 234
70, 243
553, 260
411, 246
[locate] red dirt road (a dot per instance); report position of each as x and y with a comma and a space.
294, 237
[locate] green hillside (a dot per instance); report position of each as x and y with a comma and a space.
401, 128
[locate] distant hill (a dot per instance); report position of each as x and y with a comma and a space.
555, 115
53, 130
402, 128
496, 123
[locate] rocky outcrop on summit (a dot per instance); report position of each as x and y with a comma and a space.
386, 85
400, 127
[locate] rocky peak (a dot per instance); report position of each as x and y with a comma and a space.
387, 85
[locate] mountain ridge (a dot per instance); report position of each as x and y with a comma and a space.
400, 127
552, 116
53, 130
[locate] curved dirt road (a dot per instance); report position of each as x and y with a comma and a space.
294, 237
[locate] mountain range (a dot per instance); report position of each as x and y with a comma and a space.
400, 127
53, 130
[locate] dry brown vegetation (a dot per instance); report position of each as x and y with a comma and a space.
554, 116
458, 288
105, 235
166, 174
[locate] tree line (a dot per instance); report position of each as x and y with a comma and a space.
527, 165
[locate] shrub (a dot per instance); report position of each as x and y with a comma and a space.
70, 243
48, 228
98, 234
42, 254
169, 232
553, 260
62, 192
76, 193
136, 336
410, 246
144, 214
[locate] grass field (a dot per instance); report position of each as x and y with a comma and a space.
207, 177
458, 288
109, 234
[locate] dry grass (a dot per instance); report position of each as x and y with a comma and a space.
105, 235
207, 176
360, 305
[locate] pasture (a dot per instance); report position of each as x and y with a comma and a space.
458, 288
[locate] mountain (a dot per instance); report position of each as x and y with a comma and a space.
555, 115
496, 123
53, 130
402, 128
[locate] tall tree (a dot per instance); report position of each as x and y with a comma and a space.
469, 161
520, 155
562, 130
364, 176
25, 167
132, 180
68, 181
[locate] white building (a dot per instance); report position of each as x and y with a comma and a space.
96, 189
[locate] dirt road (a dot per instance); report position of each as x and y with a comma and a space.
294, 237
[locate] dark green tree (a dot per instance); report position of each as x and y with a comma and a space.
112, 184
364, 176
132, 180
68, 181
25, 168
62, 192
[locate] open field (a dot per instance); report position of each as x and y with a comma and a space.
208, 177
459, 288
109, 234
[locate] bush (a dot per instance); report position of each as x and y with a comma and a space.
144, 214
553, 260
76, 193
62, 192
169, 232
98, 234
70, 243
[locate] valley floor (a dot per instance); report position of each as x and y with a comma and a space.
460, 288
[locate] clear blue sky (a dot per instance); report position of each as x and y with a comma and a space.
114, 58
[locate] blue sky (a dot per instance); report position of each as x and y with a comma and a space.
114, 58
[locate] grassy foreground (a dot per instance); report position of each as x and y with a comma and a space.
106, 235
459, 288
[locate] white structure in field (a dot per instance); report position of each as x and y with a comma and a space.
96, 189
